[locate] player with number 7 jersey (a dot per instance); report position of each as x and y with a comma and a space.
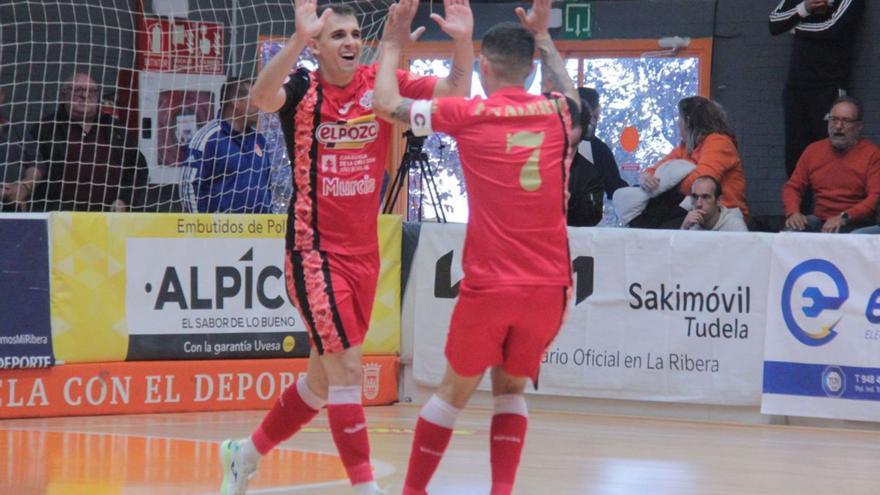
337, 149
515, 151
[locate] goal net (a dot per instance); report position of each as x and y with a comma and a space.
106, 104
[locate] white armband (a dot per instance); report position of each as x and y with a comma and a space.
420, 117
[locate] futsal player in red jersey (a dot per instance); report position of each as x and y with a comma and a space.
338, 151
515, 152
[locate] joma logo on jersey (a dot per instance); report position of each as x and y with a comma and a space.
334, 135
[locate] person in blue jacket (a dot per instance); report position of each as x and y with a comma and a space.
227, 167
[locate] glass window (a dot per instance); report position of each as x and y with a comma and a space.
435, 178
638, 100
441, 156
638, 120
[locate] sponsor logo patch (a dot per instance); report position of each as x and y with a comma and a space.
341, 135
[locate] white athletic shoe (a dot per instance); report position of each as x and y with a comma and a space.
236, 470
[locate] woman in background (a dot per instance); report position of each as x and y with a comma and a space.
708, 141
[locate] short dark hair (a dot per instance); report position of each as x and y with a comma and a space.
852, 100
589, 95
586, 117
510, 48
714, 181
340, 9
233, 89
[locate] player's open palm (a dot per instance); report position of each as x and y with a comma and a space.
398, 23
459, 20
307, 21
536, 20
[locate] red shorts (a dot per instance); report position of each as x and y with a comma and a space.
334, 294
510, 326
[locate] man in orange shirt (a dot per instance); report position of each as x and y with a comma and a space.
844, 173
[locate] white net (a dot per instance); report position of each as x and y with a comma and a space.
114, 105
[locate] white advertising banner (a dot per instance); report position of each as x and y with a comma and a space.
822, 352
209, 298
656, 315
200, 285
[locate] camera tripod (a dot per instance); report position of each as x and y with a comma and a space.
415, 159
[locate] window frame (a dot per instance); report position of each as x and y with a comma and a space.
700, 48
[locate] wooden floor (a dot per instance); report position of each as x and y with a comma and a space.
176, 454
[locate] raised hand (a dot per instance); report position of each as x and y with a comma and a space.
536, 20
308, 24
459, 20
398, 23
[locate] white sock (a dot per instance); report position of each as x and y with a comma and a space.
344, 394
309, 397
511, 404
440, 412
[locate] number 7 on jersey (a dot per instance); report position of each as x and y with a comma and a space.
529, 175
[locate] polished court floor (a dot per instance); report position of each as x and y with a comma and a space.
176, 454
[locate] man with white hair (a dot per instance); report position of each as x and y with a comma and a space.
844, 173
89, 159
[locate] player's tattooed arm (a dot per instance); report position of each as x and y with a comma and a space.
459, 80
402, 110
386, 95
537, 21
553, 72
458, 23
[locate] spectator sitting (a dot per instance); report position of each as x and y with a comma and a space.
91, 161
594, 172
707, 213
707, 141
843, 172
227, 166
14, 158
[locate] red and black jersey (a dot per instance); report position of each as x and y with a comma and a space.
338, 149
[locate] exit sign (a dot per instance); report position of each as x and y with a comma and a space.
576, 21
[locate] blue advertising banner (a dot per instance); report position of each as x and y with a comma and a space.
25, 325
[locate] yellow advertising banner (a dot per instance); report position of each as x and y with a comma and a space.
182, 286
